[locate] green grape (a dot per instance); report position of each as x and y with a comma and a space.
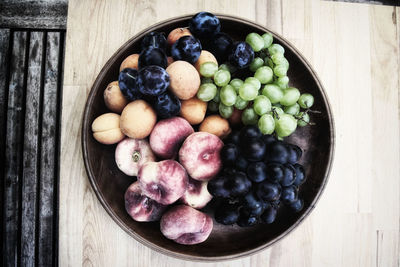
240, 103
248, 92
216, 97
222, 77
223, 67
255, 41
275, 49
283, 82
285, 125
273, 92
268, 39
228, 95
280, 70
206, 80
236, 83
207, 92
208, 69
213, 106
256, 63
279, 59
255, 82
266, 124
262, 105
277, 111
303, 119
290, 96
268, 62
227, 67
293, 109
249, 117
225, 111
264, 75
306, 100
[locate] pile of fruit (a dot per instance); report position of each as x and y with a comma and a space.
173, 111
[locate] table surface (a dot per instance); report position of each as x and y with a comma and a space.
354, 48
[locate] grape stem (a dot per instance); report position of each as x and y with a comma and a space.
275, 113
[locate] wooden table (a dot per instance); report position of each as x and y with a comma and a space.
354, 48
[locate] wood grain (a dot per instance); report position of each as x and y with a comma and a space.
354, 50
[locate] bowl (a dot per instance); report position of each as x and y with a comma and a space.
225, 242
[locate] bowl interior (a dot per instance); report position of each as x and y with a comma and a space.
225, 242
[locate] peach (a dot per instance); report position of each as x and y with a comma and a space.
193, 110
113, 98
184, 79
138, 119
140, 207
186, 225
131, 154
196, 195
217, 125
199, 155
175, 34
168, 135
106, 129
131, 61
205, 56
165, 181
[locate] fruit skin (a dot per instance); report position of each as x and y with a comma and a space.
164, 181
257, 171
269, 214
113, 98
196, 194
216, 125
289, 175
167, 105
153, 56
254, 150
138, 119
177, 33
268, 191
193, 110
168, 135
297, 205
226, 213
140, 207
238, 184
127, 81
241, 55
248, 133
220, 46
200, 155
106, 129
229, 153
184, 79
252, 205
186, 225
204, 57
152, 80
289, 194
131, 154
131, 61
204, 24
277, 152
246, 220
154, 39
216, 187
300, 174
187, 48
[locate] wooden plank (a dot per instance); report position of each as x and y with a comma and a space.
4, 65
31, 154
13, 150
49, 158
47, 14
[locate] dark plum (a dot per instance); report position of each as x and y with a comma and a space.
252, 205
241, 163
204, 24
256, 171
268, 139
268, 191
221, 46
226, 213
127, 81
246, 219
249, 133
241, 55
289, 194
294, 153
275, 172
233, 137
167, 105
216, 187
187, 48
238, 184
154, 39
153, 56
300, 174
269, 214
297, 205
153, 80
229, 154
289, 175
253, 150
277, 152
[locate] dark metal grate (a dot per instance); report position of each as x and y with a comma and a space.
31, 66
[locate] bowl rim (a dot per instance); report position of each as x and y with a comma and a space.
132, 233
